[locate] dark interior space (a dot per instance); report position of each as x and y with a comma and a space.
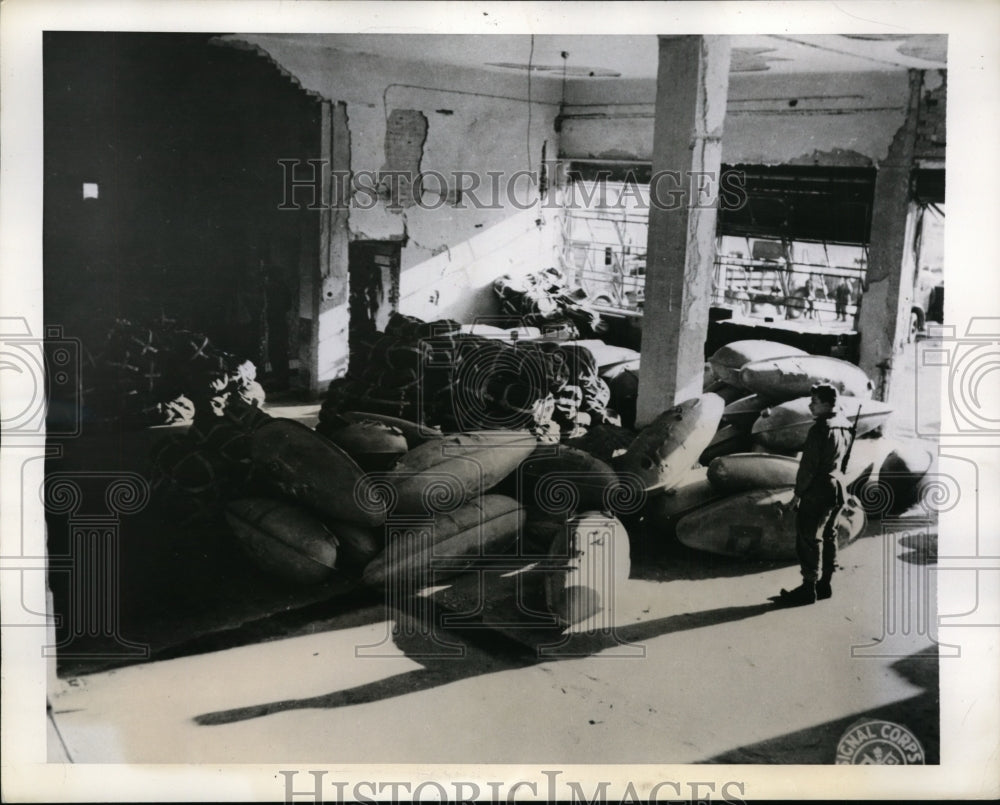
182, 139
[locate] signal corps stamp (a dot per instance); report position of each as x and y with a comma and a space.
872, 742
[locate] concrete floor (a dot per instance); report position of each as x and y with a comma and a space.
697, 671
693, 665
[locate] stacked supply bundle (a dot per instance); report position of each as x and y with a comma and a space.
159, 374
767, 385
437, 375
545, 300
194, 474
389, 502
391, 374
735, 503
392, 501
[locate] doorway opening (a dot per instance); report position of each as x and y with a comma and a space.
373, 271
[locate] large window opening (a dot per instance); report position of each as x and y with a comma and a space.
789, 279
605, 225
796, 249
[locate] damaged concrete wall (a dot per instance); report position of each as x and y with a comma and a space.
884, 319
477, 215
476, 218
839, 119
932, 118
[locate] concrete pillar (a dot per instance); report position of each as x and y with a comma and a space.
328, 343
884, 320
691, 89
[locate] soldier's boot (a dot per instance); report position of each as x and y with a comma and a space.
823, 589
804, 594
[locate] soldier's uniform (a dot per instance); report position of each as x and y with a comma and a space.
819, 485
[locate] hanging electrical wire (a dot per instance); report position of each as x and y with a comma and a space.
562, 99
531, 58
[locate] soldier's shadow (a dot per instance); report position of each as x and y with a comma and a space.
674, 562
454, 654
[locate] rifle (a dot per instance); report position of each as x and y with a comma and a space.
850, 446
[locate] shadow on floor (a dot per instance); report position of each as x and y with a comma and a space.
483, 651
674, 561
818, 745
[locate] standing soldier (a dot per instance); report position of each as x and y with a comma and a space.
809, 295
842, 296
819, 493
